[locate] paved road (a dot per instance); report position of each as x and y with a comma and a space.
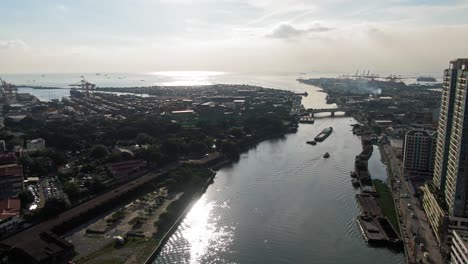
417, 234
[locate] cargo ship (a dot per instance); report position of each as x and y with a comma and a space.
324, 134
426, 79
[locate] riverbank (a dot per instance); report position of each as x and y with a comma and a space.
221, 163
385, 199
139, 249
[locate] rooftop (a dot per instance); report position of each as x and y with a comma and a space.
11, 170
9, 207
183, 112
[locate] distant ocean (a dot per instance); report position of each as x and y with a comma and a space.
286, 81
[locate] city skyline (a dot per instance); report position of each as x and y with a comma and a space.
231, 35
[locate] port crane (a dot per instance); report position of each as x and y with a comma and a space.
85, 85
394, 78
364, 75
7, 88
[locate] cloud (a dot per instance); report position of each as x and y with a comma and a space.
13, 44
286, 31
62, 8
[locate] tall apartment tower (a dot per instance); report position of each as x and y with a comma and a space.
419, 149
451, 161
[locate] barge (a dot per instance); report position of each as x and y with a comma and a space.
324, 134
307, 119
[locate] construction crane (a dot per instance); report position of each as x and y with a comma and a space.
7, 88
394, 78
85, 85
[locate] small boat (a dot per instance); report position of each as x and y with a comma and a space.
312, 142
326, 155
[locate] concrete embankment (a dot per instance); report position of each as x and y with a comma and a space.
176, 224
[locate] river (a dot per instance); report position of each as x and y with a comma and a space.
283, 203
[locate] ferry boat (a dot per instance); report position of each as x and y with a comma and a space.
426, 79
324, 134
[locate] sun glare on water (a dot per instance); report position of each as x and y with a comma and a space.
187, 78
203, 234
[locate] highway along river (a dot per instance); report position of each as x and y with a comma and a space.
282, 203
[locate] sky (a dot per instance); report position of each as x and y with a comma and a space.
392, 36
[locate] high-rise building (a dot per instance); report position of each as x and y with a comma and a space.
459, 251
446, 199
419, 149
455, 149
445, 123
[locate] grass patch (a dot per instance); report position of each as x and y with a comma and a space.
386, 202
137, 249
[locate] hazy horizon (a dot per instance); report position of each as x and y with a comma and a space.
264, 36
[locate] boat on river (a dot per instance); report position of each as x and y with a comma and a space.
326, 155
426, 79
324, 134
307, 120
312, 142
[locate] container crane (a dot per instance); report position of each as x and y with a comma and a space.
7, 88
85, 86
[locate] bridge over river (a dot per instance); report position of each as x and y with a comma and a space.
332, 111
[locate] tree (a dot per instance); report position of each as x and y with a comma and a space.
198, 148
143, 139
237, 132
171, 148
99, 152
152, 154
230, 149
96, 186
53, 207
26, 198
72, 190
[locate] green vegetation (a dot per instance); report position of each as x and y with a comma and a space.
135, 250
98, 152
187, 179
118, 215
72, 190
53, 207
26, 198
386, 202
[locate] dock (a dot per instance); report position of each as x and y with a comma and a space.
374, 225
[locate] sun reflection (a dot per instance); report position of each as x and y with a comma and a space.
203, 234
187, 78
